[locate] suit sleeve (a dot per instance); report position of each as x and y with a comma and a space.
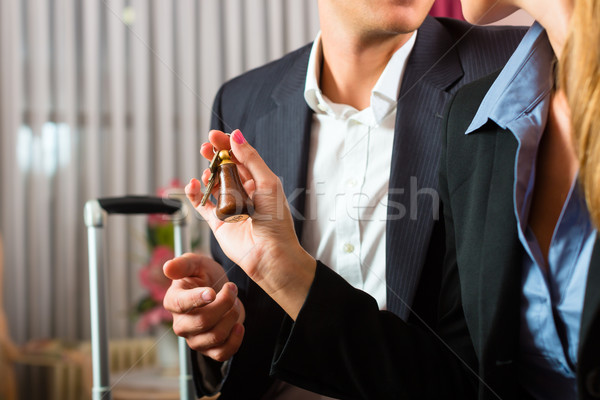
342, 345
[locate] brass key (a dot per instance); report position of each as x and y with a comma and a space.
213, 166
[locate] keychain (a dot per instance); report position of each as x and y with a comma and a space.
233, 203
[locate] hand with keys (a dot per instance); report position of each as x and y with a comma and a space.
233, 204
265, 246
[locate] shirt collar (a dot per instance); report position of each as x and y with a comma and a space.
384, 94
312, 92
523, 83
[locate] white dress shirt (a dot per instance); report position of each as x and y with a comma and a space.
348, 176
347, 183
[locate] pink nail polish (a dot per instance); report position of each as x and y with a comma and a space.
238, 137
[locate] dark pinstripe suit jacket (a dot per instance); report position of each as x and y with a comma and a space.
268, 105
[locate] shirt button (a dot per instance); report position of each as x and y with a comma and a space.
351, 182
322, 107
348, 247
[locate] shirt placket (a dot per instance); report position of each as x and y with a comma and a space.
348, 225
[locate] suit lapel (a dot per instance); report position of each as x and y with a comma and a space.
501, 255
413, 202
283, 136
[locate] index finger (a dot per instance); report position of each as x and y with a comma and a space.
219, 139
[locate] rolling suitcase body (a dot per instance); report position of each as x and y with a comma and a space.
95, 215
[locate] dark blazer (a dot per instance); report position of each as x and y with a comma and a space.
472, 351
268, 105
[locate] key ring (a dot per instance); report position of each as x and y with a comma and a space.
215, 151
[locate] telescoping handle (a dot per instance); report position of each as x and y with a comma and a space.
95, 213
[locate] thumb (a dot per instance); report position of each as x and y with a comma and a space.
249, 158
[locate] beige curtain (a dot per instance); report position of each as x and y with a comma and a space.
106, 98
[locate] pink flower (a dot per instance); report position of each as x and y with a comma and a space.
174, 186
164, 191
160, 240
153, 317
152, 276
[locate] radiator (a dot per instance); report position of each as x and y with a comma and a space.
66, 373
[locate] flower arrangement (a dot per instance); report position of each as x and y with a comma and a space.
159, 238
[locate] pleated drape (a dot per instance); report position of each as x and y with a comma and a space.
106, 98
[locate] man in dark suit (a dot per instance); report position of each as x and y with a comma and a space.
494, 338
270, 106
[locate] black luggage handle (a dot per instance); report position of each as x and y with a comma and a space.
139, 205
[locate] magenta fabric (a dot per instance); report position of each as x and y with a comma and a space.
447, 8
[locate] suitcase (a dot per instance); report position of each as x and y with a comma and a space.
95, 215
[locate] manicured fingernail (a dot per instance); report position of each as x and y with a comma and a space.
238, 137
207, 296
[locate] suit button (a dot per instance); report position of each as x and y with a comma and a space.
592, 382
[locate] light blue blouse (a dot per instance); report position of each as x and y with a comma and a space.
552, 294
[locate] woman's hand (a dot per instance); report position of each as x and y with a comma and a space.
265, 246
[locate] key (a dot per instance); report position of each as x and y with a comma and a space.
213, 166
